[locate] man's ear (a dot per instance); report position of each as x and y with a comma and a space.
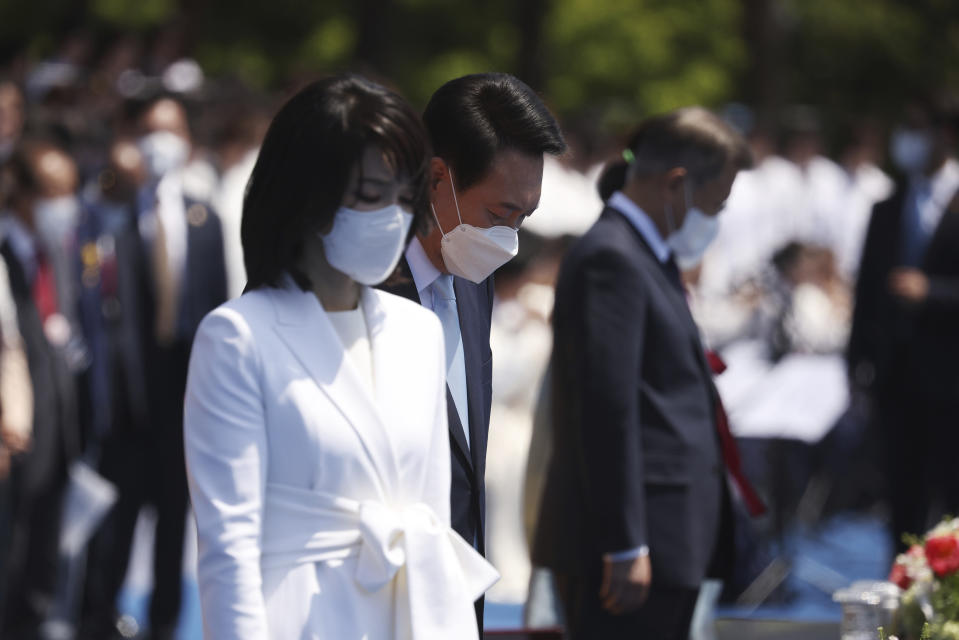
671, 184
439, 171
674, 179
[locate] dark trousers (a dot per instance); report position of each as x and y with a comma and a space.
906, 433
917, 414
33, 555
666, 615
124, 462
147, 466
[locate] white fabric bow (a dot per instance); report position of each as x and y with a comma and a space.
436, 572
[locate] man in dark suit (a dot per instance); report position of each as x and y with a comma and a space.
184, 241
904, 344
114, 294
635, 511
40, 184
167, 252
489, 133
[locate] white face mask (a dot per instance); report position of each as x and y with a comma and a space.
367, 245
690, 241
163, 151
56, 218
910, 150
473, 253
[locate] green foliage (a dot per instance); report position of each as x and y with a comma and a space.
133, 15
911, 618
872, 54
620, 59
911, 539
649, 54
945, 599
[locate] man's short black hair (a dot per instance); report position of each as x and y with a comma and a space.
304, 166
470, 119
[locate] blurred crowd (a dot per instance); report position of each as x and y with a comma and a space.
122, 173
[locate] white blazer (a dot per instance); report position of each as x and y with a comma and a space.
322, 511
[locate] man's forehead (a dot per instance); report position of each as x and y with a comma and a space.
514, 178
55, 170
165, 115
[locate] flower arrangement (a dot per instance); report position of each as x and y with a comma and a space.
929, 574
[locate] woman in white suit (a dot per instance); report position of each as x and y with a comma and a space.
316, 436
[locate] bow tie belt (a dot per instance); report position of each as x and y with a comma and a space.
443, 574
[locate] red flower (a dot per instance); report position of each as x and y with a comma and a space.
943, 554
898, 576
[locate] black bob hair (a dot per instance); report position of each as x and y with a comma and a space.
471, 118
303, 170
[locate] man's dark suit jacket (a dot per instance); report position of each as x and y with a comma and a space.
39, 476
56, 426
636, 458
474, 303
111, 301
890, 338
202, 289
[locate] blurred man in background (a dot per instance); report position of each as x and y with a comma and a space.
184, 239
40, 193
11, 118
114, 294
181, 245
904, 346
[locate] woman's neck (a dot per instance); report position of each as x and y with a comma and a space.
335, 290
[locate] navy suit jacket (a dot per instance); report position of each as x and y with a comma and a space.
636, 458
474, 303
203, 288
113, 289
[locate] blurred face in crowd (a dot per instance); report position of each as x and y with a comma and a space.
52, 208
918, 145
11, 117
125, 173
165, 137
689, 213
681, 195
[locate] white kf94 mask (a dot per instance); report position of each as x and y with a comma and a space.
474, 253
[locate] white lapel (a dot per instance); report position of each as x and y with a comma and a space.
305, 328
